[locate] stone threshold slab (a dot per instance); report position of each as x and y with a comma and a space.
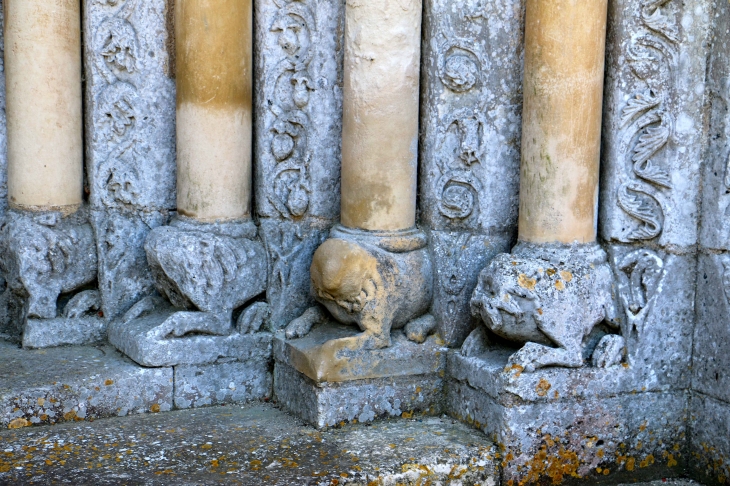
76, 383
326, 355
248, 445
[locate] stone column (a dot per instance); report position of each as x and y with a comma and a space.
561, 122
43, 69
380, 125
556, 285
214, 98
375, 270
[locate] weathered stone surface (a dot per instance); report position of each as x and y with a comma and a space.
548, 298
48, 333
247, 446
223, 383
130, 131
124, 276
711, 360
329, 404
290, 246
145, 336
207, 267
654, 123
458, 258
321, 356
44, 255
298, 101
710, 444
601, 441
79, 383
378, 281
470, 139
715, 230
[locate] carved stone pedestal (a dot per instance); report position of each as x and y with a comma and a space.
325, 381
556, 424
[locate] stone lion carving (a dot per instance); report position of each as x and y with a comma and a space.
550, 300
377, 283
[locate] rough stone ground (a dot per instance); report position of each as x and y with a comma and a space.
248, 445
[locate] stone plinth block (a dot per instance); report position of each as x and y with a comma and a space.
558, 424
48, 333
323, 380
222, 383
144, 340
710, 454
79, 383
325, 355
327, 404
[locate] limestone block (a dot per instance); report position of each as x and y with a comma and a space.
321, 358
711, 347
149, 335
601, 440
715, 231
45, 255
124, 275
654, 133
290, 246
710, 453
76, 383
48, 333
222, 383
130, 131
298, 101
328, 404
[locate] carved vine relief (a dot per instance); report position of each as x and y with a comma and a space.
116, 48
295, 26
647, 120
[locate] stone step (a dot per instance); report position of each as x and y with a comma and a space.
249, 445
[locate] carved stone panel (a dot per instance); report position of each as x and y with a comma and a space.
715, 231
471, 114
298, 104
130, 137
654, 127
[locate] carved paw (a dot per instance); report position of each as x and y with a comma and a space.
475, 344
302, 325
183, 323
86, 302
419, 329
609, 352
252, 318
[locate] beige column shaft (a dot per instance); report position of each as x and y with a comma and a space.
214, 97
380, 126
561, 130
43, 80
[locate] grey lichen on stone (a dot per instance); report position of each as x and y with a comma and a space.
549, 299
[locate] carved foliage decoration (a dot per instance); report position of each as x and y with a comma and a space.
296, 28
116, 57
647, 123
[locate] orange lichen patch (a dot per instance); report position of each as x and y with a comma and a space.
526, 282
542, 387
407, 415
41, 401
630, 463
554, 464
671, 461
551, 272
109, 382
155, 408
648, 461
69, 415
559, 285
567, 276
18, 423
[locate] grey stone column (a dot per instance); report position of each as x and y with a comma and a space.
470, 138
130, 131
298, 126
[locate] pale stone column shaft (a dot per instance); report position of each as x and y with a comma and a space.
214, 97
43, 79
381, 103
561, 131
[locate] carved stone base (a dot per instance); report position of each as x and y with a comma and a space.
48, 333
141, 339
324, 380
223, 383
602, 425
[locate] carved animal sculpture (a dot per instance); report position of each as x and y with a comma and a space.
375, 288
551, 308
